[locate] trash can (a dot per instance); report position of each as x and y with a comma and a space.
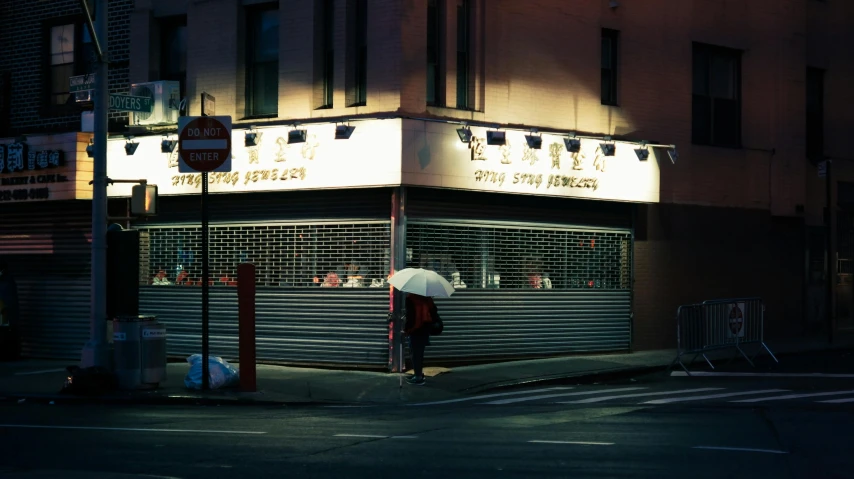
139, 348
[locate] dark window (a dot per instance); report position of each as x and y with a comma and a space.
358, 52
815, 114
609, 66
327, 42
173, 50
262, 72
435, 53
716, 109
71, 52
463, 54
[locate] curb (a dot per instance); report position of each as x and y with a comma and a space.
55, 399
583, 377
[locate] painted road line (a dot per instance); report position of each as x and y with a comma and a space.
837, 401
797, 396
373, 436
740, 449
546, 396
131, 429
766, 375
577, 443
485, 396
45, 371
714, 396
621, 396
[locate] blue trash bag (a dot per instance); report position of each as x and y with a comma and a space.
222, 374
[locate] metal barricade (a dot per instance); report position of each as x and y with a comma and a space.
720, 324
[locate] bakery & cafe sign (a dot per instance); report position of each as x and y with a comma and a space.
26, 172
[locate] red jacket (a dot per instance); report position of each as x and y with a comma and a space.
419, 314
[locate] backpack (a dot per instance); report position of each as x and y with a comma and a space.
437, 326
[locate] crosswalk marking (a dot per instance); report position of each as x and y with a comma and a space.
546, 396
714, 396
577, 443
765, 375
485, 396
796, 396
837, 401
621, 396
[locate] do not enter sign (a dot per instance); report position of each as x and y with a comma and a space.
204, 144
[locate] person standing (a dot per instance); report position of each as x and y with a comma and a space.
420, 314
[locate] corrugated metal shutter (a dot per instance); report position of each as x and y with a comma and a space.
48, 248
530, 289
320, 326
510, 324
298, 321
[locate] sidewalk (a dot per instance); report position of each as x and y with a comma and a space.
41, 380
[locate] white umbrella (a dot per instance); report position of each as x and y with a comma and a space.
422, 282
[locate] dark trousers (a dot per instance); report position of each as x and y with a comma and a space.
417, 345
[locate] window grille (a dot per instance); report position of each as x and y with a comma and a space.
489, 257
293, 256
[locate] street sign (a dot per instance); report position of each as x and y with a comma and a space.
204, 144
736, 320
208, 104
81, 82
141, 104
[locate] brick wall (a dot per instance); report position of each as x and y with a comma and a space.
685, 254
25, 51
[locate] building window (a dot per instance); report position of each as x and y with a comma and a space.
435, 53
358, 64
716, 111
326, 51
464, 20
609, 66
815, 114
173, 50
71, 53
262, 72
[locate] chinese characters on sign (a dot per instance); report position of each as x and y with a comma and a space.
530, 157
17, 157
307, 151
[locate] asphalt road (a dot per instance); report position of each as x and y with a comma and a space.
534, 438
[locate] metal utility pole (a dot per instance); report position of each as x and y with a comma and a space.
95, 352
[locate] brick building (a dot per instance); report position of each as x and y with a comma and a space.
752, 94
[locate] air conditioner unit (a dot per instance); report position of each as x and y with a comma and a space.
84, 96
165, 99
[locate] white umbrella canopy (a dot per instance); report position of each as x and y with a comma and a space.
422, 282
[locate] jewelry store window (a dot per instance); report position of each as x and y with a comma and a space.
352, 255
497, 257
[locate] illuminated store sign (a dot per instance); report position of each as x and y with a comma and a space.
32, 172
433, 155
370, 157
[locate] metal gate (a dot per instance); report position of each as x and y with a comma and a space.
526, 290
322, 297
48, 248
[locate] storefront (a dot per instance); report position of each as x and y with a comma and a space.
45, 237
542, 264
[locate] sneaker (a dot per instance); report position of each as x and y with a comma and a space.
411, 379
418, 381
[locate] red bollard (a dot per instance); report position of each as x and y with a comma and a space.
246, 320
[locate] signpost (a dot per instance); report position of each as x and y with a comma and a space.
204, 145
